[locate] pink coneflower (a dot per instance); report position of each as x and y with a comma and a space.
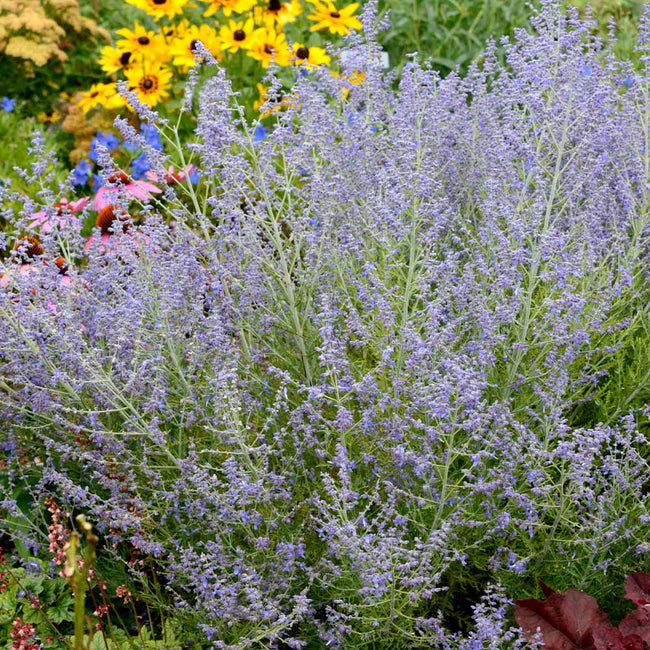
28, 248
108, 221
170, 176
61, 214
121, 183
27, 268
20, 269
111, 219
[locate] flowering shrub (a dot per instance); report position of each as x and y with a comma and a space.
45, 45
394, 344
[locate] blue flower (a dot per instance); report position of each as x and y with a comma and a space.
7, 105
140, 166
82, 172
259, 133
98, 182
108, 140
151, 136
194, 177
131, 146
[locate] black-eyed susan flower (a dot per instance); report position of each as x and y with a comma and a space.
98, 95
338, 21
355, 79
151, 82
236, 35
229, 6
268, 45
113, 59
140, 40
115, 100
277, 13
170, 32
183, 48
310, 57
271, 102
160, 8
49, 117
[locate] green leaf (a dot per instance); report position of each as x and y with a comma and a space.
63, 610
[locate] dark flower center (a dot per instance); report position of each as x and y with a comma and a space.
193, 44
92, 95
159, 2
239, 35
275, 5
118, 178
172, 179
29, 248
107, 217
147, 83
62, 265
144, 40
60, 208
302, 53
268, 49
125, 58
335, 14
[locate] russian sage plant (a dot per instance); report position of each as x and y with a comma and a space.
373, 377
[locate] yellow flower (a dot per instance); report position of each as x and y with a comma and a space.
278, 13
170, 32
116, 100
355, 79
50, 117
182, 48
98, 95
310, 57
338, 21
236, 35
151, 82
267, 45
160, 8
228, 6
138, 40
270, 103
113, 59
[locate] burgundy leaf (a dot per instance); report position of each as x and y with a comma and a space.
606, 637
637, 588
638, 623
565, 620
548, 591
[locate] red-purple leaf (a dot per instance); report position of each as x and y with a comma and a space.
638, 623
565, 620
546, 590
637, 588
606, 637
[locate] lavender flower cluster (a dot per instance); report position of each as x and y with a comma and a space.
377, 353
